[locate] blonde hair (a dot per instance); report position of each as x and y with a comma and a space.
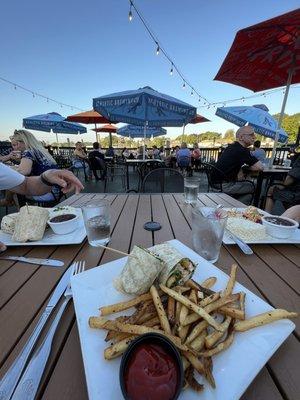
31, 143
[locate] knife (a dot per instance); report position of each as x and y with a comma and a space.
33, 260
242, 245
9, 381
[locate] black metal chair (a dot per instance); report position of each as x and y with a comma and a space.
163, 180
217, 185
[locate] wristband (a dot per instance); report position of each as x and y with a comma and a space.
44, 180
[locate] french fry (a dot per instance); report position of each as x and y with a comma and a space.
177, 312
191, 381
185, 363
114, 308
103, 323
193, 296
200, 327
200, 311
194, 285
171, 310
207, 363
263, 319
212, 338
196, 363
209, 299
118, 349
210, 308
183, 314
220, 347
164, 322
182, 332
231, 281
209, 282
232, 312
199, 342
242, 301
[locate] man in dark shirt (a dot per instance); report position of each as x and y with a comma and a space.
96, 159
288, 193
228, 167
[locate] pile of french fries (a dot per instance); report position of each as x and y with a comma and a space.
187, 315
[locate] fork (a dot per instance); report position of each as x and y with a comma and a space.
30, 380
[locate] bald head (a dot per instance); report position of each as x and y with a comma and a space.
245, 136
244, 130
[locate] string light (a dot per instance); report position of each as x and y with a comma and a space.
183, 85
157, 49
192, 93
171, 70
35, 94
130, 16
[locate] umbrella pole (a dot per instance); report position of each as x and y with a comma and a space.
288, 84
144, 140
110, 139
183, 129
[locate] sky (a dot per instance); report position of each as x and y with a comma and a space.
73, 51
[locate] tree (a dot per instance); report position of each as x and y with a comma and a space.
290, 123
229, 135
209, 136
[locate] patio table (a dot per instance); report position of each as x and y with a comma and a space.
272, 273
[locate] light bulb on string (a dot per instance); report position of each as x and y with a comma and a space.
192, 93
33, 95
171, 70
130, 16
243, 99
15, 87
47, 100
199, 99
183, 85
157, 49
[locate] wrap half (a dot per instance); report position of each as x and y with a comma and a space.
30, 224
139, 272
8, 223
177, 269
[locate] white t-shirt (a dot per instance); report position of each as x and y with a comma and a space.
9, 178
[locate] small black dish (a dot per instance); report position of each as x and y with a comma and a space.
162, 341
152, 226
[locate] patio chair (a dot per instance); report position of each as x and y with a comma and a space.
218, 186
163, 180
114, 171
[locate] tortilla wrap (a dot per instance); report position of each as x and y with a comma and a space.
8, 223
177, 270
30, 224
139, 272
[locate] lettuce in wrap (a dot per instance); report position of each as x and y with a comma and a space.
177, 270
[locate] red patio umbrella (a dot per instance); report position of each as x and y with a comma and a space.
88, 117
108, 128
197, 120
265, 56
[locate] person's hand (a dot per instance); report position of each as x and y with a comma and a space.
65, 179
2, 247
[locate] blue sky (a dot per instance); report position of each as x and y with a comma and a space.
73, 51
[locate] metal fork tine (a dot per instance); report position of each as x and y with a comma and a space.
75, 266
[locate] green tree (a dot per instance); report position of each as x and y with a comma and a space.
209, 136
229, 135
290, 124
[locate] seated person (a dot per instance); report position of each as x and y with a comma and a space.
288, 193
80, 160
125, 153
140, 152
35, 160
196, 156
155, 153
230, 163
110, 152
183, 156
258, 153
96, 159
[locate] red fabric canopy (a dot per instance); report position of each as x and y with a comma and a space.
88, 117
262, 54
198, 119
106, 128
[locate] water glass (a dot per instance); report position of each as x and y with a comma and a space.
207, 232
191, 189
97, 223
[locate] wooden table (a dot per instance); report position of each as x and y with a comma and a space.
272, 273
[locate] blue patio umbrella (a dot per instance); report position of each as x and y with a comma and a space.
137, 131
256, 116
144, 106
52, 122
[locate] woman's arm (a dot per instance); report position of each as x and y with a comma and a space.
25, 166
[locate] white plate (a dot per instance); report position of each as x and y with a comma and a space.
50, 238
234, 369
294, 239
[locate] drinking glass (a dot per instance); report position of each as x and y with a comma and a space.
97, 223
191, 189
207, 232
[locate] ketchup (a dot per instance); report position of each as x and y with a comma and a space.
151, 374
